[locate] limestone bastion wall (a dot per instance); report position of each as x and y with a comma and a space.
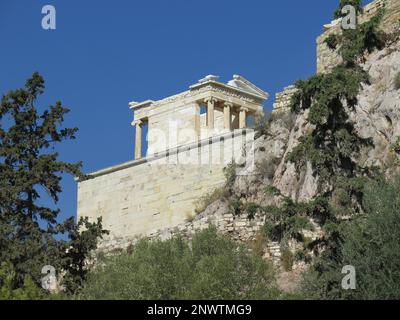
145, 197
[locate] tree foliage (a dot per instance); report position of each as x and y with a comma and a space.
352, 44
357, 4
210, 267
371, 244
30, 169
28, 291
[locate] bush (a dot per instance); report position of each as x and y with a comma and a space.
287, 117
259, 243
287, 259
230, 174
204, 201
332, 41
29, 291
355, 3
262, 124
370, 244
213, 267
267, 167
395, 147
397, 81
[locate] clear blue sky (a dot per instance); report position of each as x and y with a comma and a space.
104, 54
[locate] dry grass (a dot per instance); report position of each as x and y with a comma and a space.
287, 259
202, 203
190, 217
258, 244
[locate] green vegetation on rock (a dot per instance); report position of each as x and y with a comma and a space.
210, 267
370, 243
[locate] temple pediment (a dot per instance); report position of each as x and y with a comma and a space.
245, 85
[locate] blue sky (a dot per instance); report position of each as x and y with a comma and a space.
104, 54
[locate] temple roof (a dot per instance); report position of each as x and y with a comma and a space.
238, 84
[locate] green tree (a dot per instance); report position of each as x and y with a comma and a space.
357, 4
370, 244
28, 291
83, 237
29, 167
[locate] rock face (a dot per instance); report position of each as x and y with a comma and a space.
376, 116
299, 186
378, 111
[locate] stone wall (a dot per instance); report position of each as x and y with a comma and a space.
327, 58
283, 99
159, 192
218, 214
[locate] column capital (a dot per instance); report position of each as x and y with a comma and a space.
244, 109
137, 122
210, 99
228, 104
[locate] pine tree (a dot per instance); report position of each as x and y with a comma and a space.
28, 166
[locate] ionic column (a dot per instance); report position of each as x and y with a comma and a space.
197, 120
138, 139
227, 115
242, 117
210, 111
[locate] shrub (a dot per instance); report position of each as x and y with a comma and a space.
395, 147
236, 206
204, 201
355, 3
230, 174
272, 191
258, 244
287, 117
267, 167
332, 41
212, 268
287, 259
262, 124
29, 291
370, 244
397, 81
190, 217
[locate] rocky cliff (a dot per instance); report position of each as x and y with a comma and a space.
375, 116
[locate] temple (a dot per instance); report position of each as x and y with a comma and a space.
179, 119
190, 138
